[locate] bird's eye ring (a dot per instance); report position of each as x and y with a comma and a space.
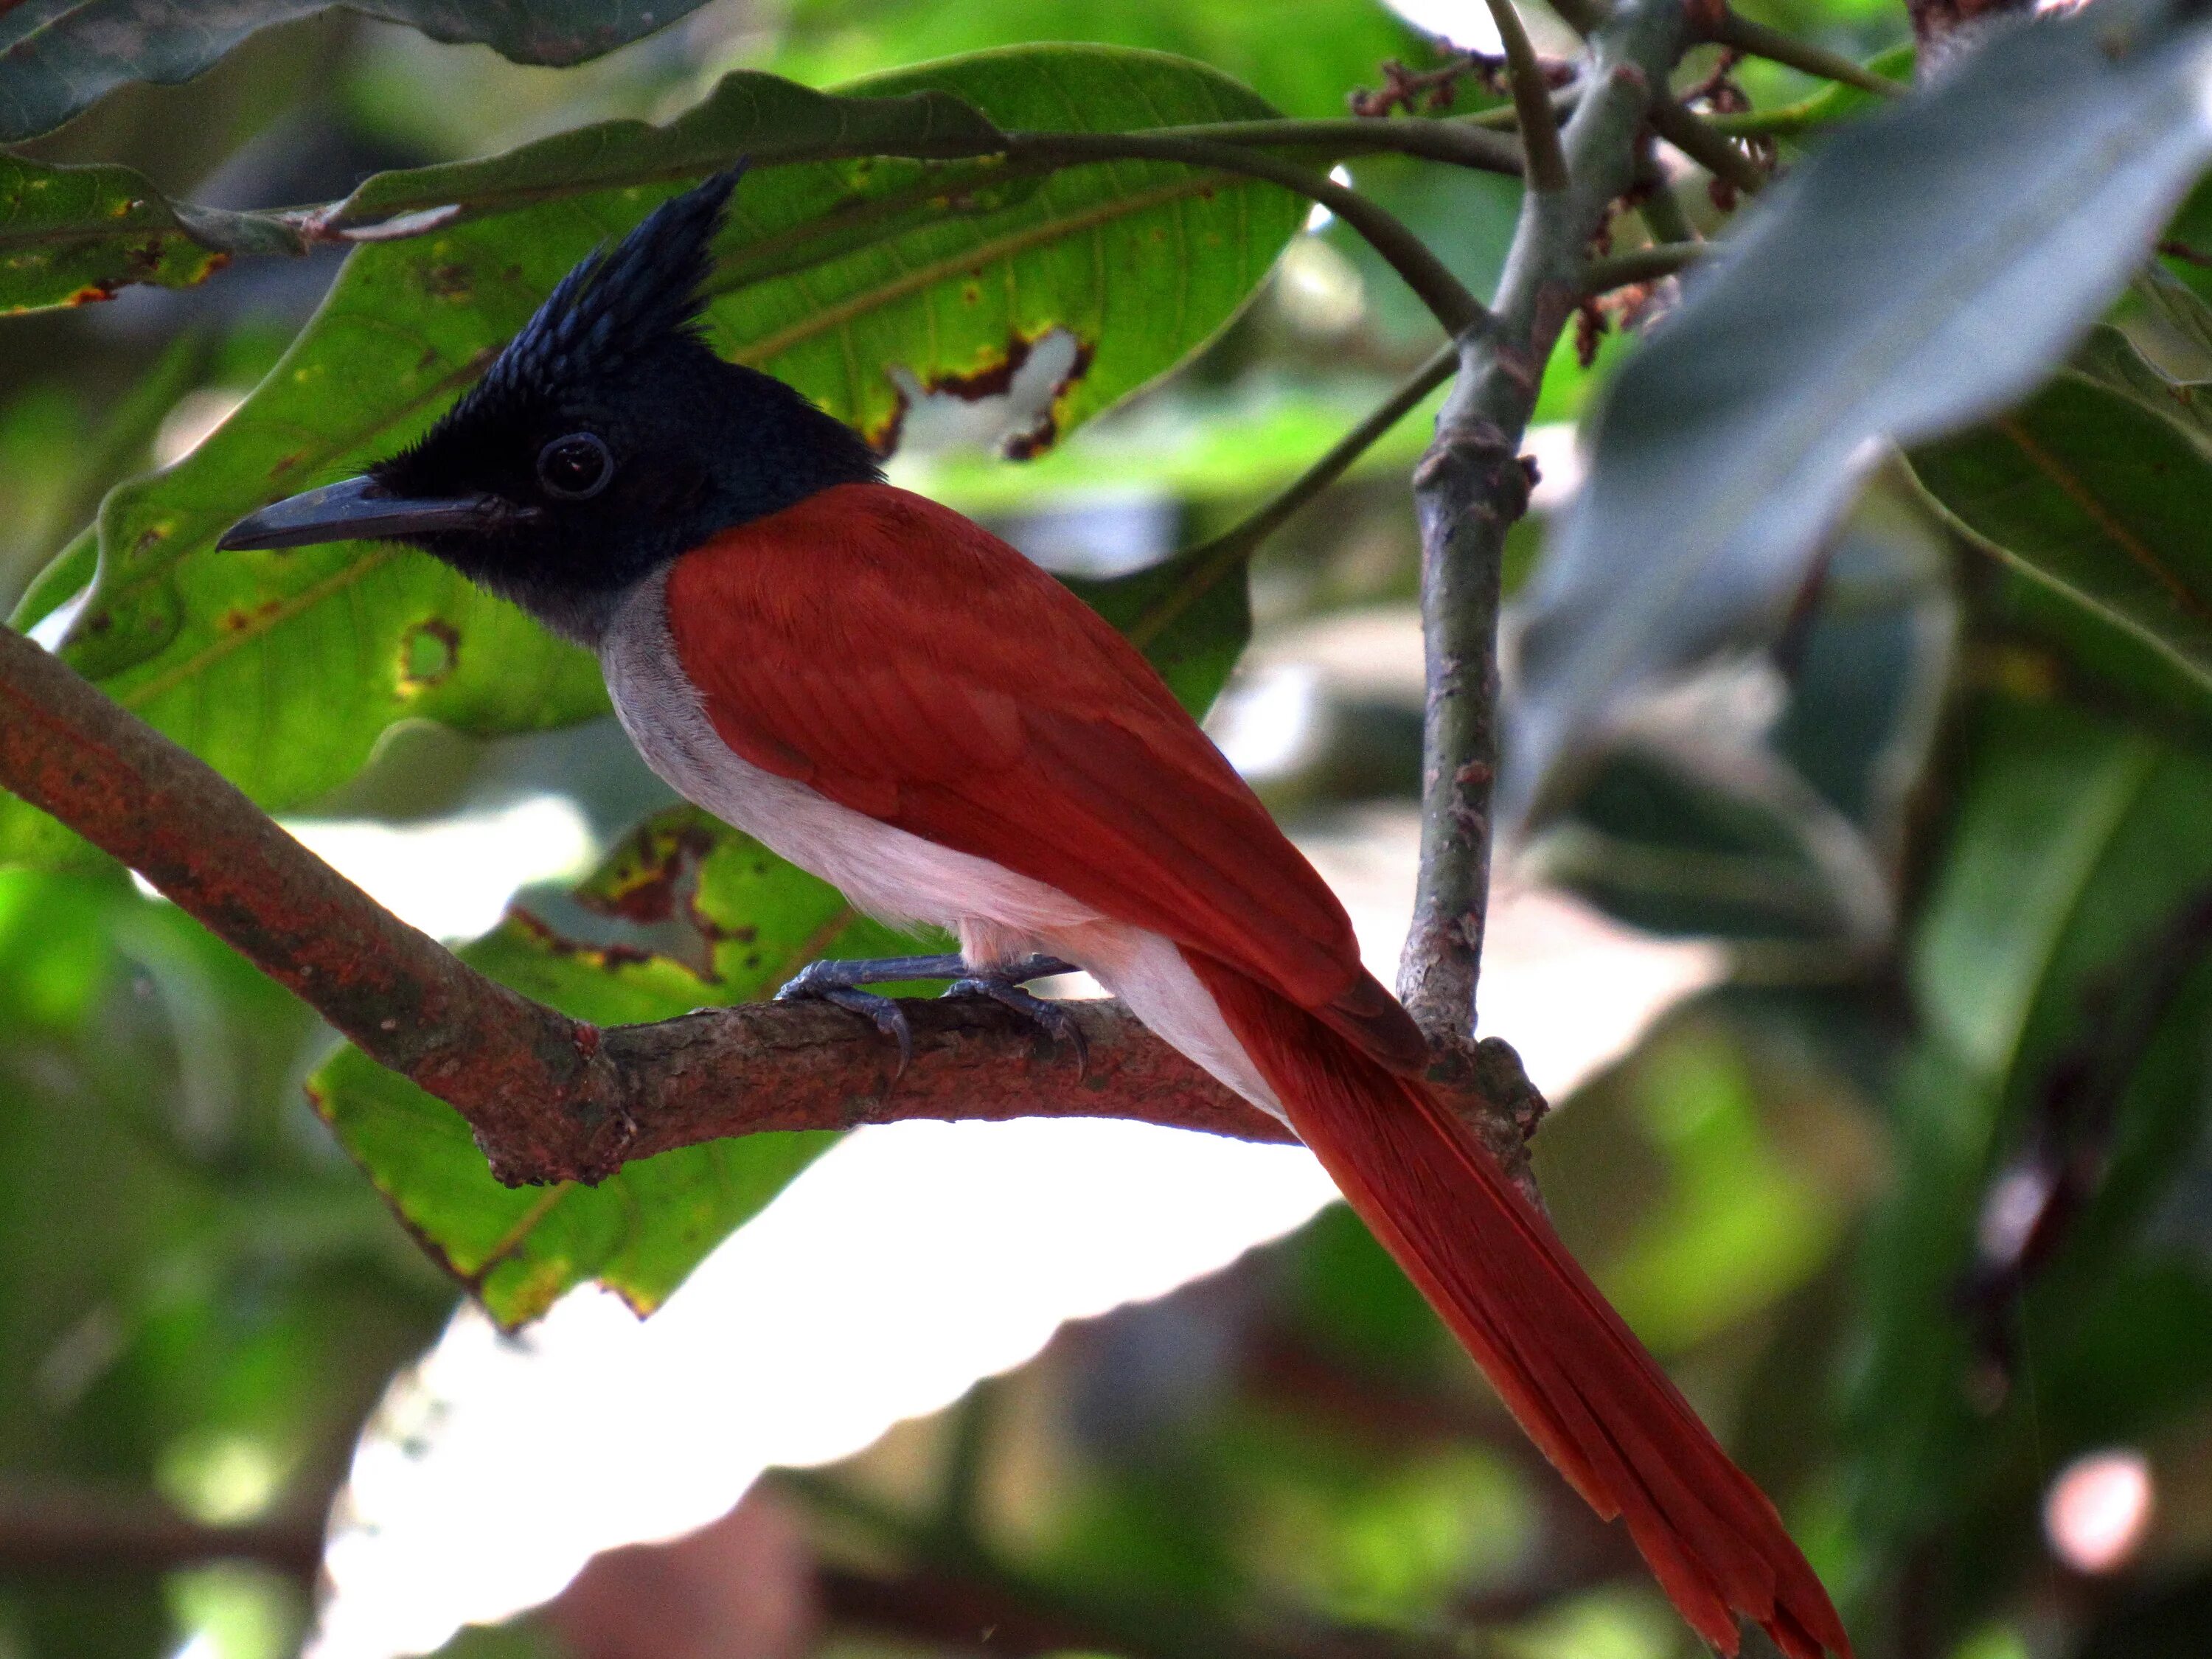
576, 468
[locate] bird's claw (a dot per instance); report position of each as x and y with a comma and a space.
813, 984
1052, 1018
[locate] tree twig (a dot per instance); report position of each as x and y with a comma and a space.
1532, 102
1776, 46
1233, 546
1471, 487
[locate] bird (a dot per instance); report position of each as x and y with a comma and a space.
886, 694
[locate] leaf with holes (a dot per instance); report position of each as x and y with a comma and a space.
1930, 264
2087, 488
283, 668
602, 952
56, 56
74, 235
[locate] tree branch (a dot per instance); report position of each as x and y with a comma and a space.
1469, 489
69, 1529
550, 1098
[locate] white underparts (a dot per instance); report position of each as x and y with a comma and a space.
899, 878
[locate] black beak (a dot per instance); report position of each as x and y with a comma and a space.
356, 510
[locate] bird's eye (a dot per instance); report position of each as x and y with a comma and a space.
576, 468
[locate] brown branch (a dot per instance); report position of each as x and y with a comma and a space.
550, 1098
68, 1529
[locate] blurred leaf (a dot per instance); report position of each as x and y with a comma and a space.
57, 56
2074, 846
2084, 487
2033, 824
1303, 56
639, 1232
1767, 805
1872, 295
2110, 359
282, 669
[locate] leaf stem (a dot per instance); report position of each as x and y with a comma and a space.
1776, 46
1461, 142
1429, 277
1532, 102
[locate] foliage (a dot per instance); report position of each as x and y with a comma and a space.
1925, 745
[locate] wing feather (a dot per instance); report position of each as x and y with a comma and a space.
910, 665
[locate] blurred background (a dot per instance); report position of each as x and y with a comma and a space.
1865, 970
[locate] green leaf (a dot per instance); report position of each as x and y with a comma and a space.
1873, 295
2075, 846
1303, 55
57, 56
2036, 817
282, 669
2087, 489
73, 235
751, 920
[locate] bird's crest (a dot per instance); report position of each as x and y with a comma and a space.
615, 306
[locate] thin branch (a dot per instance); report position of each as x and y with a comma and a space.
1773, 45
1240, 541
1532, 102
1407, 254
1469, 489
1706, 146
1643, 265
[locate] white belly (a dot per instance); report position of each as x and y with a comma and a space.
899, 877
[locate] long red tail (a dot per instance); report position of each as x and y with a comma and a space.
1585, 1389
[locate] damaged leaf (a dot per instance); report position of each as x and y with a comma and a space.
831, 275
642, 1231
73, 235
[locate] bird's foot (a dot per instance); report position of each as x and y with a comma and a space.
1003, 985
840, 983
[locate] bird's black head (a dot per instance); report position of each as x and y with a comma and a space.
603, 442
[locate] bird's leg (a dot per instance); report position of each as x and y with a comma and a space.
1003, 983
840, 983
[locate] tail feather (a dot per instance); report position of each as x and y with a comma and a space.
1583, 1388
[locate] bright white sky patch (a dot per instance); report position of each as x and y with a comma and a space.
1466, 23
